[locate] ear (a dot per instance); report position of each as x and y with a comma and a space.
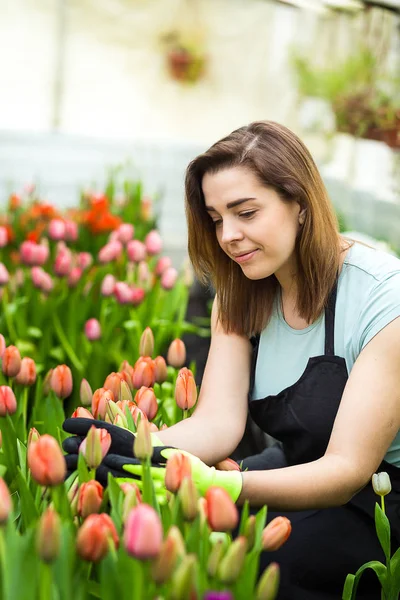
302, 215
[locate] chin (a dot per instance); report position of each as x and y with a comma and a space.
256, 274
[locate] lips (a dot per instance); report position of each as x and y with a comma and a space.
244, 257
242, 253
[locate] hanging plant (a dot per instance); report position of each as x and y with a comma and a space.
185, 57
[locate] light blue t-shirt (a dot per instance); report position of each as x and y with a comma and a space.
368, 299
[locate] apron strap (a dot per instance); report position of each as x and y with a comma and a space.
330, 322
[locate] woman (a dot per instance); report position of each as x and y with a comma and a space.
306, 334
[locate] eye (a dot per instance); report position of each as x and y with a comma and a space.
217, 222
248, 215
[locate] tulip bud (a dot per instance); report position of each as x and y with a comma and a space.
92, 542
215, 557
74, 277
250, 532
27, 373
136, 251
61, 381
168, 278
185, 389
125, 392
95, 446
57, 229
144, 372
178, 467
92, 330
202, 509
46, 461
99, 402
48, 536
85, 393
5, 501
142, 446
73, 496
183, 584
108, 285
33, 436
3, 345
4, 275
125, 232
160, 369
90, 498
222, 512
11, 361
268, 584
233, 561
85, 260
176, 355
146, 346
113, 383
143, 532
163, 263
131, 499
3, 237
8, 401
153, 242
188, 496
165, 564
227, 465
121, 421
146, 400
276, 533
381, 483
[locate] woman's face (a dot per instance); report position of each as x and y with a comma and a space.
254, 227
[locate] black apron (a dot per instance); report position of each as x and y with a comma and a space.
325, 544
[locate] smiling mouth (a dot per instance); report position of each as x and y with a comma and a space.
245, 257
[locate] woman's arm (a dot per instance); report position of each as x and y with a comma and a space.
367, 422
217, 425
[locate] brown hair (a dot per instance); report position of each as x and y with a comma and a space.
281, 161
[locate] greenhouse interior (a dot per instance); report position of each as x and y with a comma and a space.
200, 299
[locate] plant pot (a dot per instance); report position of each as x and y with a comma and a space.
391, 137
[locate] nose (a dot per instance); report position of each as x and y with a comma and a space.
230, 232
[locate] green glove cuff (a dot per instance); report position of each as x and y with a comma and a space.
231, 481
155, 440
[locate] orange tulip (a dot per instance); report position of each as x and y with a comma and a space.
90, 498
185, 389
46, 461
222, 513
81, 413
276, 533
92, 541
5, 501
48, 537
27, 372
8, 401
11, 361
147, 402
189, 496
113, 383
61, 381
161, 369
33, 436
227, 465
144, 372
178, 467
99, 402
176, 355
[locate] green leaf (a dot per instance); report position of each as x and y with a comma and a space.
27, 501
83, 471
116, 500
382, 526
58, 354
349, 588
380, 571
244, 517
21, 448
34, 332
131, 324
394, 579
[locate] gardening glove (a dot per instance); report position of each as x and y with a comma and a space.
203, 476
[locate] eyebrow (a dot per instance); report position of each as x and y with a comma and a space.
231, 204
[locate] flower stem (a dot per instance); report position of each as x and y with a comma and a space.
383, 504
65, 344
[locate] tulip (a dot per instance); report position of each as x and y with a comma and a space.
108, 285
232, 563
41, 280
144, 372
268, 584
227, 465
153, 242
63, 263
131, 499
3, 237
61, 381
183, 584
33, 436
95, 446
146, 209
71, 231
46, 461
3, 345
85, 393
92, 330
178, 467
142, 446
125, 394
126, 370
136, 413
85, 260
222, 513
250, 531
128, 487
143, 533
47, 382
163, 263
176, 355
99, 402
8, 401
4, 276
57, 229
161, 371
188, 496
90, 498
113, 383
32, 254
110, 252
185, 389
48, 536
73, 496
147, 402
215, 557
5, 501
146, 344
92, 542
11, 361
143, 272
125, 232
138, 295
74, 277
165, 563
276, 533
381, 483
136, 251
168, 278
27, 373
123, 292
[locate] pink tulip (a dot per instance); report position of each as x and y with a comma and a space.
57, 229
222, 513
3, 344
63, 263
27, 373
85, 260
93, 539
5, 501
90, 498
137, 296
143, 533
41, 254
4, 276
123, 292
11, 361
41, 280
125, 232
110, 252
61, 381
92, 330
185, 389
74, 277
176, 355
108, 285
153, 242
168, 278
8, 402
143, 272
136, 251
82, 413
33, 254
147, 402
163, 263
71, 231
3, 237
46, 461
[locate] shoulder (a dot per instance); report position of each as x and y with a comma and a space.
370, 264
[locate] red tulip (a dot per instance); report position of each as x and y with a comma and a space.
46, 461
8, 401
90, 498
5, 501
27, 372
143, 532
92, 542
11, 361
222, 513
61, 381
48, 537
144, 372
176, 355
147, 402
178, 467
185, 389
276, 533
